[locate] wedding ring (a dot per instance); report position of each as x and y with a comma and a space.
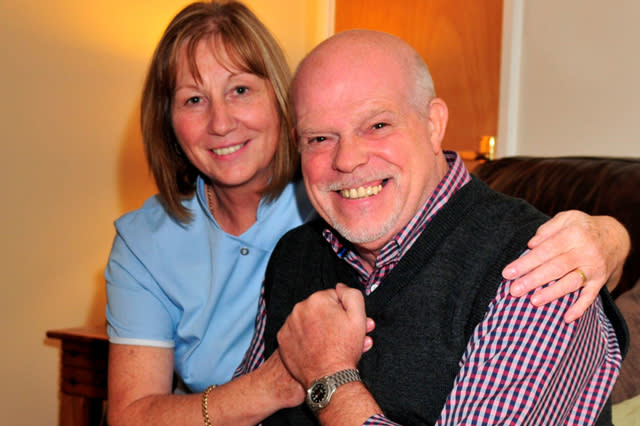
582, 275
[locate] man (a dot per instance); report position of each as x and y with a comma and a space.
405, 224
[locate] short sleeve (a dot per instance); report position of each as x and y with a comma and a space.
136, 312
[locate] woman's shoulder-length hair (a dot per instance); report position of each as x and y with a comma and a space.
250, 47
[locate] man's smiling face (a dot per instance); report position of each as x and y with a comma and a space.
368, 157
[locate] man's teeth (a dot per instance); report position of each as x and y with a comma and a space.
361, 191
227, 150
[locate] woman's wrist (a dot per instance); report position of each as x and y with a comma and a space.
205, 405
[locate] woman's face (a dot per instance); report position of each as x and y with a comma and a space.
227, 124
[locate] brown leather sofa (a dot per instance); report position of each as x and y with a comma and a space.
598, 186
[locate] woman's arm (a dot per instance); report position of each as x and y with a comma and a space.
596, 245
140, 380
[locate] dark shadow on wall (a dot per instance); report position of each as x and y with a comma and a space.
96, 311
135, 183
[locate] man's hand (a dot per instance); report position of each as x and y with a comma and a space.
324, 334
596, 245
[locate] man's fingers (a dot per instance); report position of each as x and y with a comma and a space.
587, 296
568, 284
368, 340
544, 255
565, 232
352, 300
367, 344
571, 282
371, 324
547, 272
574, 250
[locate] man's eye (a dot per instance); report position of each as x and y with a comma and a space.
380, 125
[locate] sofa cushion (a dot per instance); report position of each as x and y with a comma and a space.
628, 384
595, 185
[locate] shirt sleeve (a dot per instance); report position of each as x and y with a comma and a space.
379, 420
135, 315
524, 364
254, 357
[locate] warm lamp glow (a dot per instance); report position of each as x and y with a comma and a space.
131, 29
488, 147
119, 27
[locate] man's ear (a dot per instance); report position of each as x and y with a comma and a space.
438, 118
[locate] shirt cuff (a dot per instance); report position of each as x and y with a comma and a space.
379, 420
141, 342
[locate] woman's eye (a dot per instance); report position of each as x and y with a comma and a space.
380, 125
317, 139
241, 90
193, 100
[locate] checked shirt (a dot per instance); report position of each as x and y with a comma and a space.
558, 373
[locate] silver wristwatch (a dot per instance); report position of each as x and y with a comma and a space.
320, 392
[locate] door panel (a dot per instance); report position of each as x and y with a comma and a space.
460, 41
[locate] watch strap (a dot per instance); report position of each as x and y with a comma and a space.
345, 376
329, 384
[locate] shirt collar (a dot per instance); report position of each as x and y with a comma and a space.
456, 177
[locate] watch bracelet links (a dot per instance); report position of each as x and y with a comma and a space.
346, 376
334, 380
205, 405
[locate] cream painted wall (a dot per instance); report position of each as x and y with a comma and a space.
71, 162
579, 85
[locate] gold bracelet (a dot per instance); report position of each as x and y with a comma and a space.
205, 405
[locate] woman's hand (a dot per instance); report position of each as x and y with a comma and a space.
571, 242
277, 381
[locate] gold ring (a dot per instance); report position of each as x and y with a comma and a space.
582, 275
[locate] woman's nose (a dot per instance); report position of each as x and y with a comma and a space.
221, 118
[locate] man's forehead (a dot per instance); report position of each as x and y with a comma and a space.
334, 70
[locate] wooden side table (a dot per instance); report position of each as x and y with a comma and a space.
83, 375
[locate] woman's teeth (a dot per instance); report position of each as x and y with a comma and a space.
361, 191
228, 150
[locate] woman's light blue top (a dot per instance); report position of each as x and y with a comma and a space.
193, 287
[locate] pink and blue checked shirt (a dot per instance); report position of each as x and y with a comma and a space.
557, 373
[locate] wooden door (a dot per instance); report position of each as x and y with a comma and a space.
460, 41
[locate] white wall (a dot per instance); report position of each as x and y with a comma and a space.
579, 81
71, 162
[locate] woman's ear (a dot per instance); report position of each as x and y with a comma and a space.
438, 118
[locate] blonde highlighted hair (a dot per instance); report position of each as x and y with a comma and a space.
251, 48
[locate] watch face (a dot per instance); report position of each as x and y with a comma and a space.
318, 393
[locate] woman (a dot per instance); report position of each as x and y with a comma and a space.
184, 274
216, 133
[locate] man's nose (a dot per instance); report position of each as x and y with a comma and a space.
350, 152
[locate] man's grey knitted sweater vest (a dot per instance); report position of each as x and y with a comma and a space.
425, 309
